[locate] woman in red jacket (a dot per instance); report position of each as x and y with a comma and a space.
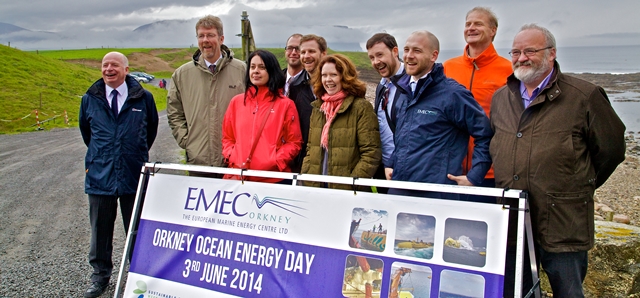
261, 129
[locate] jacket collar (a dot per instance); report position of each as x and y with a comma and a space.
301, 78
226, 55
434, 77
484, 59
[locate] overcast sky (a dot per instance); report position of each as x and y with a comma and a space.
82, 23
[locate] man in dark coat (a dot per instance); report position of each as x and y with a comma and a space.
298, 87
558, 138
118, 121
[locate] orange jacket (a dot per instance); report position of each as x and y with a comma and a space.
482, 75
279, 142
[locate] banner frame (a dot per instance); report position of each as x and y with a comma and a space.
523, 221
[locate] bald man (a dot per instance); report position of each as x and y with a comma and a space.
435, 118
118, 121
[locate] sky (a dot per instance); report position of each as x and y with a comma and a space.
81, 23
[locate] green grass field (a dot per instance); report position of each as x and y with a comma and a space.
35, 82
47, 82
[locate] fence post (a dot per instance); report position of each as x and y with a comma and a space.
38, 121
66, 118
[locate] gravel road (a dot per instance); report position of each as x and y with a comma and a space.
44, 221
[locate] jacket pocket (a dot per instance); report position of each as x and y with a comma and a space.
569, 218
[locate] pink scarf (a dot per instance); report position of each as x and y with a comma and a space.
331, 104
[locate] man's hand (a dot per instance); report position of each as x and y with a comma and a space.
461, 180
388, 172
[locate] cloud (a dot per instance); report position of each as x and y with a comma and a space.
81, 23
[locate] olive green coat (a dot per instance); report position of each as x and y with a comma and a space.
354, 142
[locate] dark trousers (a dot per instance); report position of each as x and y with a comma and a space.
102, 216
566, 271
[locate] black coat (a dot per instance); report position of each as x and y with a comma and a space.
117, 147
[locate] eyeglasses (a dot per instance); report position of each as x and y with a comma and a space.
292, 48
208, 36
527, 52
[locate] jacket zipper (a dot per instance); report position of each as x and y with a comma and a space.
467, 165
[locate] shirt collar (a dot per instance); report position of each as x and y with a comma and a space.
209, 63
122, 90
523, 88
412, 80
386, 81
293, 77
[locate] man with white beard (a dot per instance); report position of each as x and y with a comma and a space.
557, 137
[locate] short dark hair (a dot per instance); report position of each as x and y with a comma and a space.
322, 43
385, 38
276, 76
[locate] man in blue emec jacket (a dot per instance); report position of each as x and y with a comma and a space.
118, 121
436, 116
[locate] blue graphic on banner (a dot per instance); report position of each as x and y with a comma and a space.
250, 266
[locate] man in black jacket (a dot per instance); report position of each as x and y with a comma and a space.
118, 121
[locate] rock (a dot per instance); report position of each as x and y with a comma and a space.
606, 212
598, 217
614, 262
621, 218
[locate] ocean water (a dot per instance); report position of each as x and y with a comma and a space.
600, 59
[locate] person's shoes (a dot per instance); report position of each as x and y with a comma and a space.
95, 290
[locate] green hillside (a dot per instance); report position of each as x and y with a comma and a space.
54, 81
30, 81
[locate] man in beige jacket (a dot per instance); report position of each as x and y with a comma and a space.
200, 93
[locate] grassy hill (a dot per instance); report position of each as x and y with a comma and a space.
31, 81
54, 81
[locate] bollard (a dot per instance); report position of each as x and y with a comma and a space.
38, 121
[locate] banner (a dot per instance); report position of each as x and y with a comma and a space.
200, 237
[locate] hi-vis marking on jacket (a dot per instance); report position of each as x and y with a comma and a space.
427, 112
135, 110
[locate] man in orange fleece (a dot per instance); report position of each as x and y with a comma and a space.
480, 69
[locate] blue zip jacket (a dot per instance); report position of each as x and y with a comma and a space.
116, 147
433, 128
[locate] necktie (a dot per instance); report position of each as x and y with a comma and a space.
413, 87
287, 87
114, 102
212, 68
385, 97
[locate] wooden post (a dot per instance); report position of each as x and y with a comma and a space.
248, 43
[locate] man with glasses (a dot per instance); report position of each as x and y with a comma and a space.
200, 92
303, 54
481, 70
558, 138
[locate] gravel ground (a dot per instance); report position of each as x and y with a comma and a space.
44, 226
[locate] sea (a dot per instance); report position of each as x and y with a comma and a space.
596, 59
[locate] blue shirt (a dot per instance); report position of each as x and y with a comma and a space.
526, 99
386, 135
